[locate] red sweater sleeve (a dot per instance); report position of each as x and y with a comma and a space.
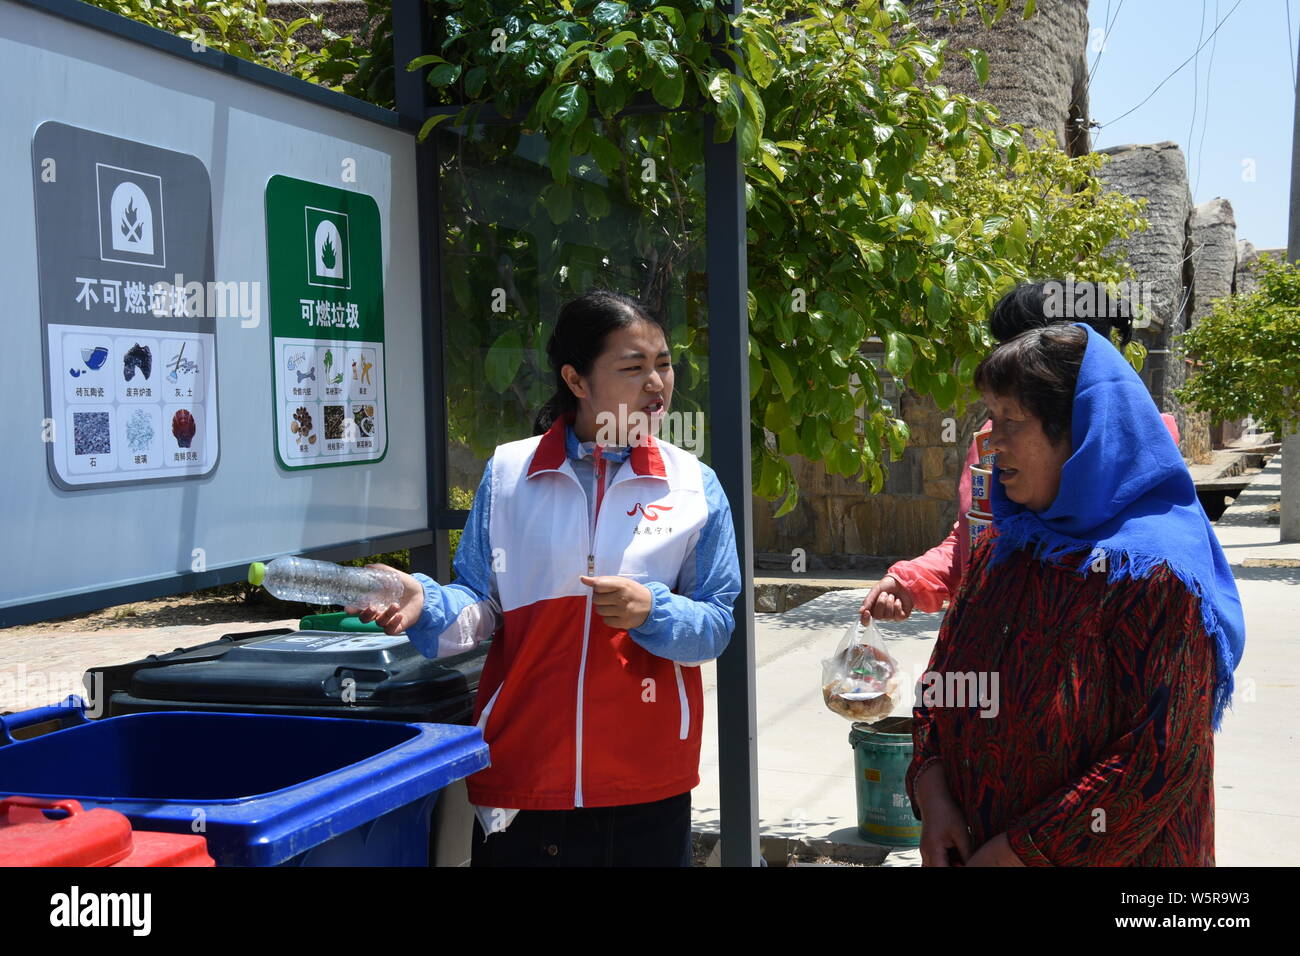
932, 578
935, 576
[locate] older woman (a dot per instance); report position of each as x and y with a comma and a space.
1102, 601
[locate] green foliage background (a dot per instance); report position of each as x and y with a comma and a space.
1248, 353
880, 204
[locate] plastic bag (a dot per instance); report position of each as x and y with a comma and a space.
860, 682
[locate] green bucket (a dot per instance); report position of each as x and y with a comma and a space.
882, 753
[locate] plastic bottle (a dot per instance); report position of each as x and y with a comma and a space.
322, 582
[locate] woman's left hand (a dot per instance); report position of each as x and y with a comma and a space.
997, 852
622, 602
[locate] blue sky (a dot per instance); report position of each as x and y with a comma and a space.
1244, 97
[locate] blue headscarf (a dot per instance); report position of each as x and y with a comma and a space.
1126, 492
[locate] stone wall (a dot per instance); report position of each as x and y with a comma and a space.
837, 516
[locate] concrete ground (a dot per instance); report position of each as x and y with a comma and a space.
806, 787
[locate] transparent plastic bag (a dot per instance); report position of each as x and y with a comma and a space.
860, 681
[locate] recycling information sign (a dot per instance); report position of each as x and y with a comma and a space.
326, 293
124, 251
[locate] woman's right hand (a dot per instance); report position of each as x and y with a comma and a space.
889, 600
397, 617
943, 825
943, 829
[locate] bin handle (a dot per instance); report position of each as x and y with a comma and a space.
71, 807
73, 705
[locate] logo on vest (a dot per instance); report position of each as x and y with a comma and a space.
650, 512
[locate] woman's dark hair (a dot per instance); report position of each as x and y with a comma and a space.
1039, 369
1032, 305
579, 338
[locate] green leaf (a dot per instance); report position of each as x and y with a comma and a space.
1030, 7
669, 90
596, 200
609, 14
570, 107
611, 97
774, 166
474, 80
502, 362
944, 390
431, 122
608, 156
904, 264
937, 305
444, 74
898, 354
599, 61
558, 200
776, 417
425, 60
979, 61
674, 16
760, 67
780, 371
558, 156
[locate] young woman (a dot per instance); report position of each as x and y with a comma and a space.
604, 562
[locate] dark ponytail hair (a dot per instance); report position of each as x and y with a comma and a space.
579, 338
1032, 305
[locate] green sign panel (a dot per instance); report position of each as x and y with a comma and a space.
326, 296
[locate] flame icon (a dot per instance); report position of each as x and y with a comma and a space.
131, 224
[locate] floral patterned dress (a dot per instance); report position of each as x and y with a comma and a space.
1094, 746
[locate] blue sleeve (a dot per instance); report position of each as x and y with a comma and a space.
695, 625
459, 615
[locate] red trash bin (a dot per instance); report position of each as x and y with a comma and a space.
99, 837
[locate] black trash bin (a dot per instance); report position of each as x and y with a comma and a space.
310, 673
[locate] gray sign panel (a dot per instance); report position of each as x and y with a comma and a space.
128, 309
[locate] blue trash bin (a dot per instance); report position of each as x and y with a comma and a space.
266, 789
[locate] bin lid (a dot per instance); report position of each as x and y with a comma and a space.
316, 667
167, 849
81, 837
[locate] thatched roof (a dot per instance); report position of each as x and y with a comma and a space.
1038, 68
1214, 254
1157, 172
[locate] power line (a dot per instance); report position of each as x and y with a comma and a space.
1290, 43
1205, 118
1105, 31
1176, 69
1105, 38
1196, 82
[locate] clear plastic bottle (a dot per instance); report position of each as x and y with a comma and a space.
322, 582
